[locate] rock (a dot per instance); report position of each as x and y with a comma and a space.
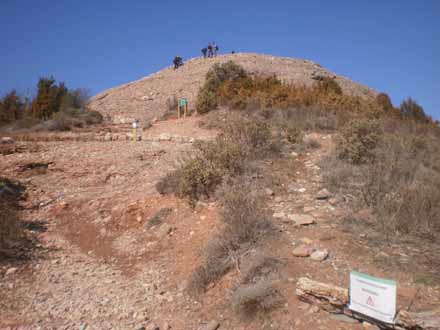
308, 209
152, 326
213, 325
108, 137
7, 140
164, 137
343, 318
165, 326
369, 326
301, 219
319, 255
11, 271
279, 215
323, 194
83, 326
302, 251
269, 192
294, 154
306, 240
163, 230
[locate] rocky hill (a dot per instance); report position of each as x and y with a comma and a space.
147, 98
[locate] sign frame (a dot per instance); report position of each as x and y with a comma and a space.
373, 296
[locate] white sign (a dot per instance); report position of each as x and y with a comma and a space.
373, 297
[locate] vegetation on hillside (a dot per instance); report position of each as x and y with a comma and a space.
54, 107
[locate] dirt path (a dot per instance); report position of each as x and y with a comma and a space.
108, 263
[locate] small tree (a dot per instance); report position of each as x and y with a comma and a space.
48, 99
11, 107
411, 109
384, 102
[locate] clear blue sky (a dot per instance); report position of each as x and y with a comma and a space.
390, 45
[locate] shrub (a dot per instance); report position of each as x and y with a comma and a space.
243, 214
294, 134
251, 300
330, 86
216, 76
253, 134
358, 140
206, 101
384, 102
198, 178
10, 229
244, 222
168, 184
412, 110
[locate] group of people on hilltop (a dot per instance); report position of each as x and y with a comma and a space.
210, 51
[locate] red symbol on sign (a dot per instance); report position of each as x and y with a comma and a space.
370, 301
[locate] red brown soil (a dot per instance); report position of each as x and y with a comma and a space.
102, 265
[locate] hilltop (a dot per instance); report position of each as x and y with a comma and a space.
146, 98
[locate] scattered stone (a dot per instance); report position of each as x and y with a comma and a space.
323, 194
165, 326
302, 251
11, 271
83, 326
108, 137
301, 219
269, 192
306, 240
314, 309
152, 326
7, 140
308, 209
369, 326
301, 190
294, 154
213, 325
164, 137
163, 230
343, 318
333, 201
279, 215
319, 255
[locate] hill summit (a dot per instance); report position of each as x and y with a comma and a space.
146, 98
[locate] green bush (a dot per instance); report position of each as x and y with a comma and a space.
216, 76
206, 101
412, 110
330, 85
384, 102
358, 140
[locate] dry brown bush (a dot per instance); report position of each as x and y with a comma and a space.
10, 229
251, 300
244, 222
400, 183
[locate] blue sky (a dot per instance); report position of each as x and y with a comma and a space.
392, 45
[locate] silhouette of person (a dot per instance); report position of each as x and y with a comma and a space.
204, 51
210, 50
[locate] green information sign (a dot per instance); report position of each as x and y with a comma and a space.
182, 102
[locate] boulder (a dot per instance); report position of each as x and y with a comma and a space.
301, 219
319, 255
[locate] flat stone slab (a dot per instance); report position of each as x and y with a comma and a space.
302, 251
301, 219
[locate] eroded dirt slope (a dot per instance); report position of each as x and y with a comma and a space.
115, 254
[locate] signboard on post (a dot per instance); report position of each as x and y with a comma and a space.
373, 297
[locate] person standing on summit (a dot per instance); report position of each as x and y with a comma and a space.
204, 51
215, 49
210, 52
